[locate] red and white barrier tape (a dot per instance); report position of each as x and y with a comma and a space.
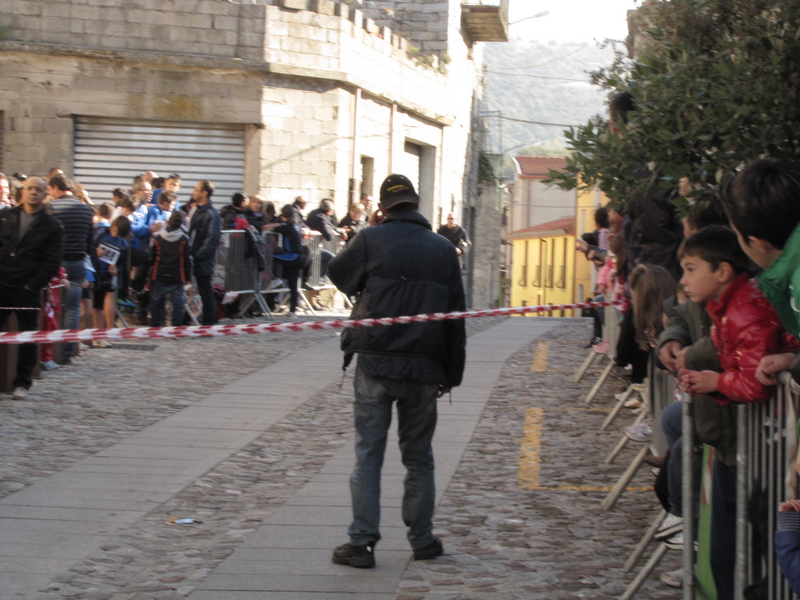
140, 333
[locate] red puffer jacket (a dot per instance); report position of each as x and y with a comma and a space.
746, 329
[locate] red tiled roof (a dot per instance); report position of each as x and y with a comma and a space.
539, 166
559, 226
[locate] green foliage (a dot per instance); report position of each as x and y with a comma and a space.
716, 85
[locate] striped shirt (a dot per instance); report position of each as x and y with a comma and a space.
76, 218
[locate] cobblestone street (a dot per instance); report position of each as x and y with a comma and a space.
261, 431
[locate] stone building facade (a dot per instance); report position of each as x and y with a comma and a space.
272, 97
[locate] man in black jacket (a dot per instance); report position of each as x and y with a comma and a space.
30, 254
205, 232
396, 269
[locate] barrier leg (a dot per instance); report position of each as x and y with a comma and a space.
624, 440
585, 366
625, 479
593, 392
644, 573
121, 317
615, 411
645, 541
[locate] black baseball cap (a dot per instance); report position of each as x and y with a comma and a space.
397, 189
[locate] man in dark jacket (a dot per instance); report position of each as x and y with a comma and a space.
30, 254
399, 268
321, 220
204, 232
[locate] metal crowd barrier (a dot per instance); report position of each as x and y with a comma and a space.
766, 476
237, 269
317, 245
767, 444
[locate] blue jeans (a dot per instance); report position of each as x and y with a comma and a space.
76, 274
158, 297
416, 412
672, 422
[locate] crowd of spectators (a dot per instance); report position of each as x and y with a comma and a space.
118, 261
713, 299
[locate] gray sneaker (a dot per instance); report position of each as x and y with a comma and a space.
19, 393
50, 365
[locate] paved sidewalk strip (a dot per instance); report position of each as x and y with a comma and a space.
113, 489
261, 566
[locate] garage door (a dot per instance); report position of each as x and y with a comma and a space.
110, 152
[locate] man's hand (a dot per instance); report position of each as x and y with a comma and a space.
112, 270
699, 382
157, 226
443, 389
458, 251
581, 246
774, 363
668, 355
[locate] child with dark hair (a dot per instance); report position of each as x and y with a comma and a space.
763, 205
745, 329
170, 270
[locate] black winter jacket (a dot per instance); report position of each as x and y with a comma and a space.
170, 257
402, 268
204, 233
319, 221
35, 259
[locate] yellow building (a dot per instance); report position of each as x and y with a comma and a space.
545, 267
543, 263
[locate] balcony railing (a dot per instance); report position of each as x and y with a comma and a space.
486, 20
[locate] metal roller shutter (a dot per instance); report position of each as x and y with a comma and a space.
109, 153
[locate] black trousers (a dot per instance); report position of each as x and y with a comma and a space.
628, 350
206, 292
28, 320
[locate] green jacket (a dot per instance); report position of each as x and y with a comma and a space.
780, 283
714, 424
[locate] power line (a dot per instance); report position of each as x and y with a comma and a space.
538, 76
501, 118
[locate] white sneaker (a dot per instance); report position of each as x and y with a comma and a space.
633, 402
640, 432
671, 525
291, 315
101, 344
675, 542
50, 365
673, 578
19, 393
277, 283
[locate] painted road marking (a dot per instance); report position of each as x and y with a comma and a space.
540, 358
529, 466
529, 459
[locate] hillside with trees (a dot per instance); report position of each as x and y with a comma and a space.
549, 83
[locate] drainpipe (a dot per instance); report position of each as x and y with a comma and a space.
354, 161
391, 138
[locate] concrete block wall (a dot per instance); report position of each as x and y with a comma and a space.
203, 27
39, 94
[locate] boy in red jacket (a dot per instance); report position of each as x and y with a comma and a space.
745, 329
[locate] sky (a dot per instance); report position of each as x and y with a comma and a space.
570, 20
